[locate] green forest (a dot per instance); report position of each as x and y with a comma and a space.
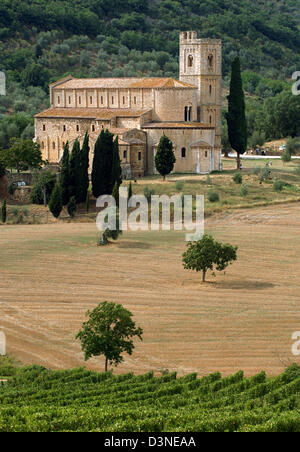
41, 41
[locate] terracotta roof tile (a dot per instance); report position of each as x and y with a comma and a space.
90, 113
124, 83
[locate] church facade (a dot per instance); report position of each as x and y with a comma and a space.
141, 110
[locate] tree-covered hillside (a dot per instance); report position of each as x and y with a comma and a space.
42, 40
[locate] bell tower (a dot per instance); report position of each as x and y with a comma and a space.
201, 66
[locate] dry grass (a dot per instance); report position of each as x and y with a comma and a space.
52, 274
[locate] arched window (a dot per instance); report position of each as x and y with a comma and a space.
93, 127
186, 114
190, 61
102, 100
210, 90
58, 100
183, 153
134, 100
210, 60
79, 100
69, 99
139, 156
190, 114
112, 100
123, 100
210, 119
91, 100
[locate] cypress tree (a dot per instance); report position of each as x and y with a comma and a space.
55, 203
165, 157
115, 193
4, 212
65, 176
72, 207
130, 190
236, 117
102, 165
75, 171
116, 165
84, 169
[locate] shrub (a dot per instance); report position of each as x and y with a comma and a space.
213, 196
244, 190
179, 185
286, 156
148, 192
55, 203
208, 180
265, 173
15, 211
237, 178
278, 185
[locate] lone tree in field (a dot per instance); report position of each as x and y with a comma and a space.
236, 116
165, 157
205, 254
55, 203
109, 331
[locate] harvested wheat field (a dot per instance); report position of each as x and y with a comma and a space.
52, 274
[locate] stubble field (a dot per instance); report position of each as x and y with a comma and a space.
52, 274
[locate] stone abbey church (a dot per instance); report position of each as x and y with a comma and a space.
141, 110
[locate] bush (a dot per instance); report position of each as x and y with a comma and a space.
148, 193
244, 190
55, 203
237, 178
286, 156
213, 196
208, 180
278, 185
179, 185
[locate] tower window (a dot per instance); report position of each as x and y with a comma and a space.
77, 128
186, 114
210, 90
210, 60
206, 154
125, 154
210, 119
44, 128
64, 128
139, 156
183, 153
190, 61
